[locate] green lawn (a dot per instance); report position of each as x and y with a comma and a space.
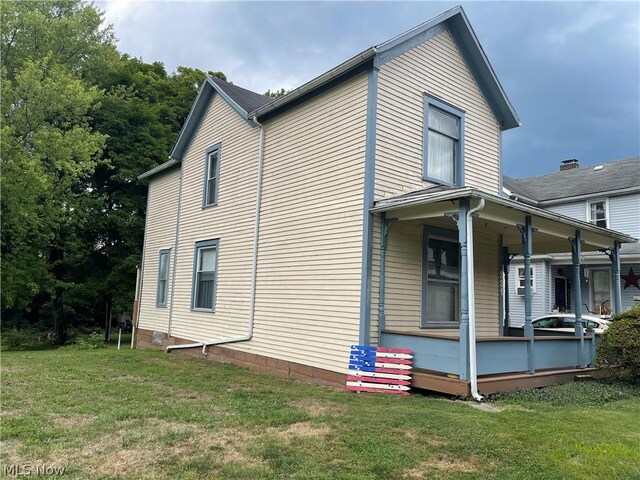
146, 414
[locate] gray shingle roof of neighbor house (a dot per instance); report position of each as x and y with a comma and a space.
561, 186
246, 99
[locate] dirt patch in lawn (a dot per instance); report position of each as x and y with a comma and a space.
318, 409
426, 468
73, 421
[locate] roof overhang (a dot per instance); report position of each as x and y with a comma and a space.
160, 169
552, 229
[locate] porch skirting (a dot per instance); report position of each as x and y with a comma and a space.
252, 361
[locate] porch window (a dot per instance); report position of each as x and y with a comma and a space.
212, 169
441, 279
163, 278
443, 143
204, 275
598, 213
520, 281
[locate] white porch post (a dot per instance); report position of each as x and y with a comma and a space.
463, 209
576, 251
527, 247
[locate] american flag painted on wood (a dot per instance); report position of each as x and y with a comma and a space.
379, 369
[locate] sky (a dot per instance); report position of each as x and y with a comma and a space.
570, 69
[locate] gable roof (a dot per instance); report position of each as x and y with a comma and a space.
250, 105
558, 187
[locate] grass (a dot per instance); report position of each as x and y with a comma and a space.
142, 414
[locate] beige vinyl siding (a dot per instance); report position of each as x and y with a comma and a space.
436, 67
375, 279
310, 255
310, 249
230, 221
403, 275
160, 232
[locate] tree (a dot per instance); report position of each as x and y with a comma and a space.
48, 147
276, 93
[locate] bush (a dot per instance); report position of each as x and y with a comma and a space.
620, 345
91, 342
26, 339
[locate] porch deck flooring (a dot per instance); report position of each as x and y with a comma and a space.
488, 384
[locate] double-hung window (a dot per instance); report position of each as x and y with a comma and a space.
597, 212
163, 278
441, 278
212, 173
204, 275
520, 280
443, 143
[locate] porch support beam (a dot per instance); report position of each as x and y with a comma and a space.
463, 209
506, 262
384, 239
527, 247
617, 289
576, 252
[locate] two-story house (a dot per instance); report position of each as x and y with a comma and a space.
606, 195
363, 207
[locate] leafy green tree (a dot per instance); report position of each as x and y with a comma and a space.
276, 93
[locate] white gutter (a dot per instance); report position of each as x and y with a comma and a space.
473, 361
254, 267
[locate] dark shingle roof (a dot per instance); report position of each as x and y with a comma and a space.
246, 99
578, 181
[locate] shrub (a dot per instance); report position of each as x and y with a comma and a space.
620, 344
91, 342
26, 339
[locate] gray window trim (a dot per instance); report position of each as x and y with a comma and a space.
449, 235
429, 102
164, 251
199, 245
205, 189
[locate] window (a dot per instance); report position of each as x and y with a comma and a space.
204, 275
520, 280
163, 278
441, 279
598, 213
212, 172
443, 143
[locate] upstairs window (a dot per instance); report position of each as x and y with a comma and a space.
443, 143
204, 275
598, 213
212, 169
163, 278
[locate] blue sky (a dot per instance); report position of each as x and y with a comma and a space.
571, 69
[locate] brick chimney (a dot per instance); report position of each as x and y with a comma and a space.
569, 164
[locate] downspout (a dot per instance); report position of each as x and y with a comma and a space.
473, 366
254, 266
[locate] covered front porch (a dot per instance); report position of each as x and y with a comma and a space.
444, 289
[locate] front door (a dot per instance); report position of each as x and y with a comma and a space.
561, 294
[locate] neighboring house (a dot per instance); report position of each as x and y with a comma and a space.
606, 195
364, 207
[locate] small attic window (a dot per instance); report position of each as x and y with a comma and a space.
597, 168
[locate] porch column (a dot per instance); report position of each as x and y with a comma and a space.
384, 234
527, 246
506, 261
576, 251
464, 289
617, 289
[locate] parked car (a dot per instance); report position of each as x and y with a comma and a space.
566, 322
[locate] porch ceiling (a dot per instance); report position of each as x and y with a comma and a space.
500, 215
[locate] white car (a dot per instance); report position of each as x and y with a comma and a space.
566, 322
